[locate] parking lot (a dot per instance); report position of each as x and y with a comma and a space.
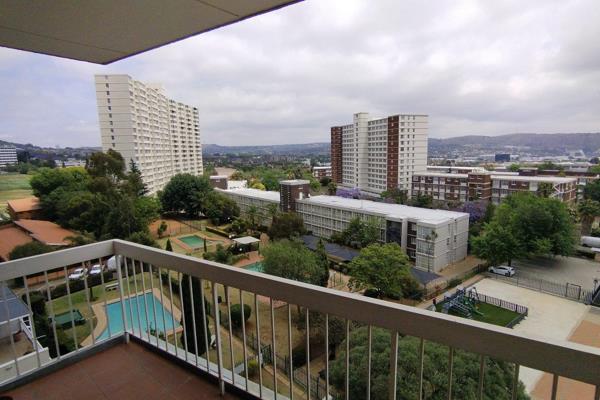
575, 270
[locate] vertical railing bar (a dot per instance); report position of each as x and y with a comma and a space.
450, 372
52, 315
153, 298
180, 279
145, 302
515, 386
273, 352
290, 352
173, 313
481, 377
3, 285
244, 349
204, 322
195, 333
369, 356
259, 355
162, 307
327, 356
137, 296
554, 386
226, 289
129, 295
394, 365
347, 361
122, 297
31, 321
218, 339
105, 302
70, 303
90, 309
308, 354
421, 367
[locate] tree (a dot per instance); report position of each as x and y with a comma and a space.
545, 189
422, 200
549, 165
323, 261
588, 211
514, 167
109, 165
498, 374
273, 211
592, 190
252, 216
43, 329
359, 233
325, 181
133, 183
80, 240
162, 228
147, 209
292, 260
236, 315
46, 180
185, 193
384, 268
221, 255
286, 225
239, 226
197, 314
258, 185
219, 208
331, 188
395, 195
29, 249
525, 225
142, 238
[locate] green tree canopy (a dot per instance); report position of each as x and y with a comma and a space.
588, 211
219, 209
185, 193
46, 180
395, 195
359, 233
286, 225
384, 268
498, 374
592, 190
109, 165
525, 225
29, 249
292, 260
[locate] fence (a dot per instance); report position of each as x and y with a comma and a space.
507, 305
438, 286
567, 290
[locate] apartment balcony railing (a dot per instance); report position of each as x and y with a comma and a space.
141, 270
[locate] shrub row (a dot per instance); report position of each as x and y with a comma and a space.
76, 286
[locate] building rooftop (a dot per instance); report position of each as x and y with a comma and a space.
537, 178
393, 211
442, 174
25, 204
295, 182
11, 236
267, 195
45, 231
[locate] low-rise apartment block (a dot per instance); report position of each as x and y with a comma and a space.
8, 155
431, 238
563, 189
321, 171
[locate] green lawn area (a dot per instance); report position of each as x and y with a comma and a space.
13, 186
491, 314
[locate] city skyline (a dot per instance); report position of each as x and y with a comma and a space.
470, 66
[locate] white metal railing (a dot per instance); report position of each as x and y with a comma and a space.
143, 269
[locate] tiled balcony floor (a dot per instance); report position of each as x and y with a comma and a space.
125, 371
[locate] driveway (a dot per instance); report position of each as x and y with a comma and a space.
579, 271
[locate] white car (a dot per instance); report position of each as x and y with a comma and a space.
96, 270
502, 270
77, 274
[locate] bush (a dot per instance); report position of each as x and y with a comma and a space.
78, 285
236, 315
374, 293
252, 368
299, 356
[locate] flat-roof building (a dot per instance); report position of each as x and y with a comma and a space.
8, 155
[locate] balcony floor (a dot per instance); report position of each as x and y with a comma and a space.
125, 371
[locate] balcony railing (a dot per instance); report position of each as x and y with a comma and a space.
162, 278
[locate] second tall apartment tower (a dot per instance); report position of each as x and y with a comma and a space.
379, 154
161, 135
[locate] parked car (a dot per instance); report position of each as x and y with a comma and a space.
77, 274
96, 269
502, 270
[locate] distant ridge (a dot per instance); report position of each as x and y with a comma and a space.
279, 149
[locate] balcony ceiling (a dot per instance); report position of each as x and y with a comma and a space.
106, 31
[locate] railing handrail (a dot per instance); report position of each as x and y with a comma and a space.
478, 337
563, 358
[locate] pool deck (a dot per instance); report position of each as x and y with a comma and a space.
209, 241
253, 258
102, 324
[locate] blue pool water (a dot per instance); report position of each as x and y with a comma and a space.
256, 267
113, 313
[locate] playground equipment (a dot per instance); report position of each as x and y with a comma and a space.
463, 302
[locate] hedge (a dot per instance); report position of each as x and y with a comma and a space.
78, 285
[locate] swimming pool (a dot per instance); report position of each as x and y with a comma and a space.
114, 310
256, 267
194, 241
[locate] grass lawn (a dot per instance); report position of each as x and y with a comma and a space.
13, 186
491, 314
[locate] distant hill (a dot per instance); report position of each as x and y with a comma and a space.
555, 143
52, 152
281, 149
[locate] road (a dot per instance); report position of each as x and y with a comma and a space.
579, 271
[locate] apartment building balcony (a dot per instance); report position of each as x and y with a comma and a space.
133, 350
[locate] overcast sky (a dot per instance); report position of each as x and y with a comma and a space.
476, 67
